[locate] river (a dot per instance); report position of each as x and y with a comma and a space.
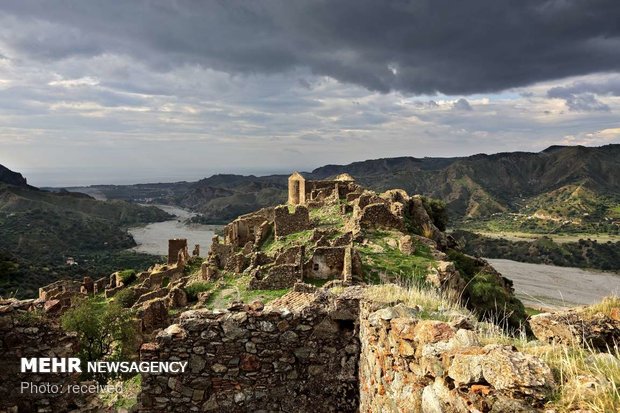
153, 238
548, 286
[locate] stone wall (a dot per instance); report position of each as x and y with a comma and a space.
174, 247
277, 277
408, 364
300, 355
24, 334
378, 215
286, 222
251, 227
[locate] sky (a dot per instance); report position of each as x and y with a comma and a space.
156, 91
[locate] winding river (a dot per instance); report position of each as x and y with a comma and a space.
153, 238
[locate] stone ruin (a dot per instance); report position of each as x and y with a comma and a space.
152, 292
314, 193
332, 256
315, 351
177, 250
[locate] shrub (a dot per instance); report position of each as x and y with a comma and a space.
489, 295
196, 287
436, 209
125, 298
105, 331
127, 276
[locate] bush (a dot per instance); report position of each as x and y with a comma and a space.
127, 276
489, 295
194, 288
105, 331
436, 209
125, 298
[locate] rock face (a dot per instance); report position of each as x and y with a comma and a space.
12, 178
413, 365
300, 358
577, 326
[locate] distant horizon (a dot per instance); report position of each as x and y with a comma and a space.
65, 177
130, 92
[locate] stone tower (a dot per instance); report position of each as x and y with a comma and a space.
296, 189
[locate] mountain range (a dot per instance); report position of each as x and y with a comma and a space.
561, 182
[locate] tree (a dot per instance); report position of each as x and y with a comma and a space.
105, 331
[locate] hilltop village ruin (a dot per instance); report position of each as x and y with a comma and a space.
331, 254
331, 341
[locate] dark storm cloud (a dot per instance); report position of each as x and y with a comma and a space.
423, 46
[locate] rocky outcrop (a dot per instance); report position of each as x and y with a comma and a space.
578, 326
444, 276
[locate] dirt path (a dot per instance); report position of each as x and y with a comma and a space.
549, 286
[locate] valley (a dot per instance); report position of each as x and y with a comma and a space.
564, 193
153, 238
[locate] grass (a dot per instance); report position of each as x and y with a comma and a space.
195, 288
589, 380
328, 216
232, 287
382, 260
127, 276
125, 399
271, 245
608, 306
434, 304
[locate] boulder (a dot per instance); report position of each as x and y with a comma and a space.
153, 314
577, 326
177, 297
406, 245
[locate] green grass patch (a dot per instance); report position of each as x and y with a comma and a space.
381, 258
271, 245
233, 287
196, 287
327, 216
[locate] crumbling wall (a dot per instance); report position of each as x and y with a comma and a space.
416, 365
326, 263
378, 215
298, 358
251, 227
59, 289
286, 222
176, 246
23, 334
277, 277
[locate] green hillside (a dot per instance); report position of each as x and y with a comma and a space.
39, 230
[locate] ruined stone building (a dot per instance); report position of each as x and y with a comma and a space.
306, 192
263, 243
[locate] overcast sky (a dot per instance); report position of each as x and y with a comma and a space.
140, 91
